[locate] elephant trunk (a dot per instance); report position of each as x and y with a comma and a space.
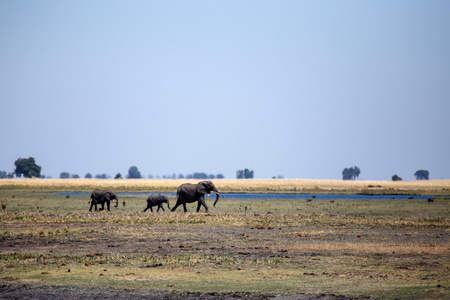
168, 205
117, 202
217, 198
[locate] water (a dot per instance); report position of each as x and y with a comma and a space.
277, 195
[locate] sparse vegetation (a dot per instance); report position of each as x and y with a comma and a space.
388, 248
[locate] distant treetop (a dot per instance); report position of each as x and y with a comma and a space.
396, 178
133, 172
27, 167
422, 175
351, 173
244, 174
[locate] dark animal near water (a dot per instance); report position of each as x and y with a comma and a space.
157, 200
189, 193
102, 197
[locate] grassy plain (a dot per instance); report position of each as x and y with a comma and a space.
388, 248
434, 187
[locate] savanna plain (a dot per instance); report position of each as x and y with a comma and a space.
51, 246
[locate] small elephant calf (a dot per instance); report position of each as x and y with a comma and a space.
157, 200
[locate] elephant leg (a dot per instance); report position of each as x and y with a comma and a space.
107, 205
146, 208
201, 202
184, 205
175, 207
160, 207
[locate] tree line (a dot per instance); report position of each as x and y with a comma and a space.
353, 172
28, 168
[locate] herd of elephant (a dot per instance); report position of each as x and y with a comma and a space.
186, 193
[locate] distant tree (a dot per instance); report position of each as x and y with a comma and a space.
102, 176
88, 175
199, 175
75, 176
64, 175
27, 167
356, 172
396, 178
150, 176
244, 174
351, 173
347, 173
180, 176
220, 176
3, 174
133, 172
118, 176
422, 175
211, 176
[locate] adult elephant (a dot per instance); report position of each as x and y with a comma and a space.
189, 193
157, 200
102, 196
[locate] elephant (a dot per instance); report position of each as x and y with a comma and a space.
189, 193
157, 200
102, 196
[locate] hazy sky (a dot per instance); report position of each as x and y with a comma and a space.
301, 89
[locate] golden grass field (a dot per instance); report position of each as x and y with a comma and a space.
435, 187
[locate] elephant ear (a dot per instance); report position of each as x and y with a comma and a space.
202, 188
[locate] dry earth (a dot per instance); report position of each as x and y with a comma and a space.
243, 244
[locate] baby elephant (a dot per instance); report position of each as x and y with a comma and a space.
157, 200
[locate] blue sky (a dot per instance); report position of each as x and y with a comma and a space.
301, 89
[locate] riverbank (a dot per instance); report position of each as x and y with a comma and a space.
416, 187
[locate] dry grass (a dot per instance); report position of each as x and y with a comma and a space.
374, 247
438, 187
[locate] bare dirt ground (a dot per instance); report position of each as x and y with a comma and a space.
52, 292
291, 245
